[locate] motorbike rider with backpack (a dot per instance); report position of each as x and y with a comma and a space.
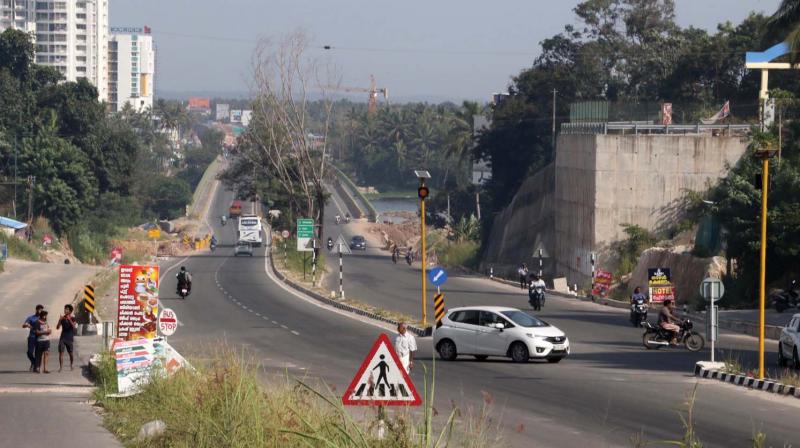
184, 280
536, 291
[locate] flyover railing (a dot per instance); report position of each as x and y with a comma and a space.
636, 128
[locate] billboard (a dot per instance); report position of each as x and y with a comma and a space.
139, 359
247, 115
199, 103
137, 308
602, 283
236, 116
223, 111
659, 282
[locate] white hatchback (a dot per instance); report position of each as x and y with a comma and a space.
789, 344
498, 331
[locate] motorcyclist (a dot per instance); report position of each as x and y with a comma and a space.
223, 219
347, 217
537, 285
184, 280
409, 255
637, 298
668, 321
395, 253
338, 219
330, 243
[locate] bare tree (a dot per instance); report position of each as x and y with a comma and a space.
289, 146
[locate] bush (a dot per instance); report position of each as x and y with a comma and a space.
463, 254
629, 250
167, 197
18, 248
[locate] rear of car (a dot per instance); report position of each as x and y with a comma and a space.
499, 331
243, 248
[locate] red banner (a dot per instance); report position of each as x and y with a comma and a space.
138, 302
602, 283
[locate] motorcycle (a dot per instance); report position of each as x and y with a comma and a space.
347, 219
536, 298
638, 312
656, 337
183, 290
212, 246
330, 244
783, 300
409, 258
223, 220
338, 219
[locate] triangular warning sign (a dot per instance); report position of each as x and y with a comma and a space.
341, 246
381, 380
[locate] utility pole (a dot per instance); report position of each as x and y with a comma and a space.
31, 181
16, 150
554, 118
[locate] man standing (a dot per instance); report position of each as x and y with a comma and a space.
65, 342
42, 343
523, 275
405, 345
30, 323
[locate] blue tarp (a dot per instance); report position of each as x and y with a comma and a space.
12, 223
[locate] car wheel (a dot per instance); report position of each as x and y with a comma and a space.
519, 352
447, 350
782, 361
796, 359
481, 357
555, 360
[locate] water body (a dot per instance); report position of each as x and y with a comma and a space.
395, 205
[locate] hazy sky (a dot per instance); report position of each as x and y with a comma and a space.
437, 49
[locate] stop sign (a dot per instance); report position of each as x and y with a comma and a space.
167, 322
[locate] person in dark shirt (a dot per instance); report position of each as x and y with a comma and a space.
65, 342
42, 343
30, 323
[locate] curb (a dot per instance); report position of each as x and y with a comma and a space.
421, 332
746, 381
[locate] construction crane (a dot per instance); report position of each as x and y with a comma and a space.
373, 92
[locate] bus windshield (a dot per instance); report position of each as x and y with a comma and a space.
249, 222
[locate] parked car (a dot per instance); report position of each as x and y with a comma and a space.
498, 331
789, 344
358, 242
243, 248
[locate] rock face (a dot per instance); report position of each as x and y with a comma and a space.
687, 270
524, 227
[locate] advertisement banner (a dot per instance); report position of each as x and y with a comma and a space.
602, 283
138, 360
660, 285
137, 309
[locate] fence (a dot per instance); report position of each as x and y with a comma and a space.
636, 128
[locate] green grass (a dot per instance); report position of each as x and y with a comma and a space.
227, 403
18, 248
295, 260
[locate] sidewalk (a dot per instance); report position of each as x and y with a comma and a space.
45, 409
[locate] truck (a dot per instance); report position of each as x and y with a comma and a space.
236, 209
250, 229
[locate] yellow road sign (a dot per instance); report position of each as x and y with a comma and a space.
154, 233
88, 298
438, 308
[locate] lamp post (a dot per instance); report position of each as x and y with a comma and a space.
763, 151
423, 193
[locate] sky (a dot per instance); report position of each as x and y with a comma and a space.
431, 50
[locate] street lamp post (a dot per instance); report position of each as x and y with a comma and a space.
764, 152
423, 193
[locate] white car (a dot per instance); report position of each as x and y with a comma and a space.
498, 331
789, 344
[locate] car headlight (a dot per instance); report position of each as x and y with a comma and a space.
533, 336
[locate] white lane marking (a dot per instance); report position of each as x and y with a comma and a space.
258, 314
248, 309
284, 327
295, 333
274, 322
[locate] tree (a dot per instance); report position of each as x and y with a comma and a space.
784, 25
167, 197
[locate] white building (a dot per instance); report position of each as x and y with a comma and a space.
131, 68
70, 35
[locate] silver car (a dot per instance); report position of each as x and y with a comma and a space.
243, 248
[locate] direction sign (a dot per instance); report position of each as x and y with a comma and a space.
305, 231
712, 289
341, 246
285, 234
167, 322
437, 276
381, 380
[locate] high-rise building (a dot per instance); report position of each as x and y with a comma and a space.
131, 68
70, 35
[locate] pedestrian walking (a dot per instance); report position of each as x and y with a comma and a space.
523, 276
30, 323
42, 343
405, 345
65, 342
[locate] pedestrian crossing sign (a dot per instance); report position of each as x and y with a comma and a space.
381, 380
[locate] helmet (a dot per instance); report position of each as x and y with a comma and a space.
183, 268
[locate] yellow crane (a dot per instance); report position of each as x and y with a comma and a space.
372, 90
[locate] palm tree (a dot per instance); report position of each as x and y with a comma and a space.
785, 24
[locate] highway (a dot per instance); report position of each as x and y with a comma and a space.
609, 390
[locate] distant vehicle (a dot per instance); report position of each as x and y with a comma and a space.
789, 344
498, 331
250, 229
236, 209
358, 242
783, 299
243, 248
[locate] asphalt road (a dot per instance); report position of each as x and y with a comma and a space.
607, 391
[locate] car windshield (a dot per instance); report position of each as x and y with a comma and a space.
243, 244
524, 320
358, 238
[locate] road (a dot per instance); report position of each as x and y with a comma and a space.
607, 391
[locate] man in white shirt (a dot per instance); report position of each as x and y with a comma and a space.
405, 345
